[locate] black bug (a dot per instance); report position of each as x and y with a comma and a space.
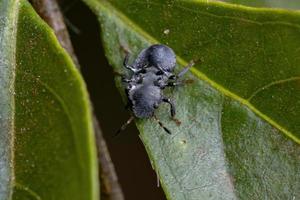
150, 73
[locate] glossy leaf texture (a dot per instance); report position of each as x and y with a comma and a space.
47, 147
287, 4
239, 132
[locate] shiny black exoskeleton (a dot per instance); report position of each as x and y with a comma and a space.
151, 72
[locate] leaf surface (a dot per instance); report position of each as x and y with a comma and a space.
47, 147
287, 4
239, 136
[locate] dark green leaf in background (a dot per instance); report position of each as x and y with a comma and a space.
240, 134
47, 147
288, 4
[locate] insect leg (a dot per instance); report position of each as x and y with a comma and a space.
161, 124
174, 78
125, 80
125, 62
174, 84
180, 83
172, 106
161, 69
127, 66
123, 127
186, 69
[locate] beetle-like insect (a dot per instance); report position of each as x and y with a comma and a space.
151, 72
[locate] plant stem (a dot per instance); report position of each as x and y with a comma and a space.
50, 12
110, 188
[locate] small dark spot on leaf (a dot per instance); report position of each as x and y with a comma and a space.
177, 121
189, 81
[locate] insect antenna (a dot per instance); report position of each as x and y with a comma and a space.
123, 127
161, 125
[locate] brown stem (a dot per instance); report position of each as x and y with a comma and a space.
110, 188
50, 12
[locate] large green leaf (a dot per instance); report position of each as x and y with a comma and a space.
288, 4
239, 136
47, 148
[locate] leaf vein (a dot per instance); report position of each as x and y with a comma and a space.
28, 190
270, 85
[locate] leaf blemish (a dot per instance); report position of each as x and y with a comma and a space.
183, 142
166, 31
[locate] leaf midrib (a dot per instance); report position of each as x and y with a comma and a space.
114, 11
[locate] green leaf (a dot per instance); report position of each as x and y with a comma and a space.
287, 4
47, 147
239, 136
